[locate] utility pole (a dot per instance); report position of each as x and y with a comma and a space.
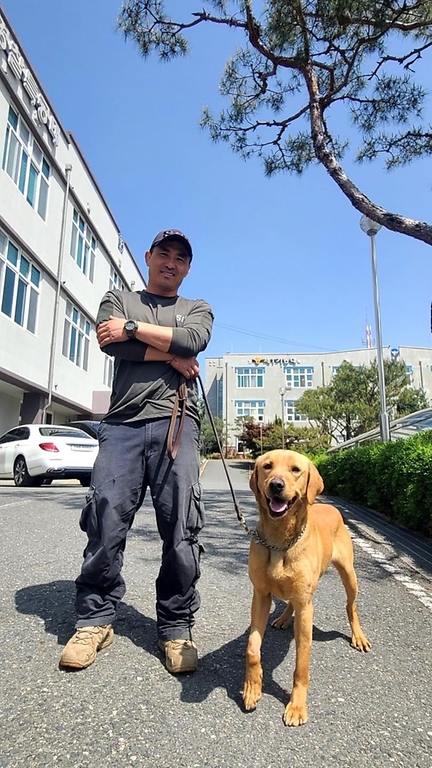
226, 410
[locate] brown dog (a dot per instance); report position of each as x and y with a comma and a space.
297, 541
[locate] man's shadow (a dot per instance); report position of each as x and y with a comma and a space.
222, 668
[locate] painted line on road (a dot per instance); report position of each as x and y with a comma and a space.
410, 584
16, 503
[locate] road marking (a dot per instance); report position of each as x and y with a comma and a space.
16, 503
410, 584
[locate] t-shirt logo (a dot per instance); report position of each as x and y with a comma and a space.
180, 319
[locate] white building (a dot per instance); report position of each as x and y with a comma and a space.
60, 250
267, 386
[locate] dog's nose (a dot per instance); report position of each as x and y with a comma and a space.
277, 485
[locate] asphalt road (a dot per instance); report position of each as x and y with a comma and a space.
126, 710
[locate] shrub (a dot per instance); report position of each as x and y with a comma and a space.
393, 478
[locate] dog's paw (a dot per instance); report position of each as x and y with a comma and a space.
360, 642
281, 622
251, 695
295, 715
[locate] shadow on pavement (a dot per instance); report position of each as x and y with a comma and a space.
244, 464
222, 668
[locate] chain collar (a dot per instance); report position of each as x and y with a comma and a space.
290, 544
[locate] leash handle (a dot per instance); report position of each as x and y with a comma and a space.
179, 404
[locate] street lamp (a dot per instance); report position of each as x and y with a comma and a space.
282, 392
371, 228
226, 410
260, 424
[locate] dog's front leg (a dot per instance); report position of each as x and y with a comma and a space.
252, 688
296, 711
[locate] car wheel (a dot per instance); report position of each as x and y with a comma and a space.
21, 475
85, 480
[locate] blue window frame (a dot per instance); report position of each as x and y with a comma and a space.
253, 409
299, 376
250, 378
291, 413
19, 285
25, 163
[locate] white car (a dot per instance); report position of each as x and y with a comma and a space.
35, 453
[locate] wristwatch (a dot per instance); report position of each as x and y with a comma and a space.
131, 327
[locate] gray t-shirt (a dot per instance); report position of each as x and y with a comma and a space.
146, 390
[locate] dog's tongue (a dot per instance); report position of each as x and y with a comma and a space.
278, 506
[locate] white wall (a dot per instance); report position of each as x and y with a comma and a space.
25, 355
9, 412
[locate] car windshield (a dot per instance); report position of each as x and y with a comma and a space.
62, 432
92, 424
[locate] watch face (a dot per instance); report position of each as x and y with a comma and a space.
131, 326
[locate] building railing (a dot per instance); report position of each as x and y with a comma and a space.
400, 429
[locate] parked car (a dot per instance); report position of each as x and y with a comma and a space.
33, 454
91, 427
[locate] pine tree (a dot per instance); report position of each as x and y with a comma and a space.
300, 65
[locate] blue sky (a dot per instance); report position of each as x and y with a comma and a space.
284, 258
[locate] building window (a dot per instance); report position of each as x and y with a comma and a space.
83, 246
247, 378
76, 337
19, 285
115, 281
108, 371
25, 163
219, 398
291, 413
252, 409
298, 376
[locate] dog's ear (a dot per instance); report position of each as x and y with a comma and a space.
315, 484
253, 481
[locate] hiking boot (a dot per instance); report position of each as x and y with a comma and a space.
180, 655
83, 646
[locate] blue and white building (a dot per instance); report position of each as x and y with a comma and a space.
267, 386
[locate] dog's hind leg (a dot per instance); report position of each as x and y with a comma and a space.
343, 560
252, 689
284, 620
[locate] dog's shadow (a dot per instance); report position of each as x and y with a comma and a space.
224, 667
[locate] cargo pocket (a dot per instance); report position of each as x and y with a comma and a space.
88, 521
196, 519
196, 514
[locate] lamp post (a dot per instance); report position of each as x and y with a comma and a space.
371, 228
282, 392
260, 423
226, 410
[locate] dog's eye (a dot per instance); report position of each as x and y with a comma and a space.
267, 465
295, 470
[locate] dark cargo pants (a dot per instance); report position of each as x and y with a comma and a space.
131, 458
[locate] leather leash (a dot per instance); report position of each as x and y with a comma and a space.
240, 516
179, 405
173, 446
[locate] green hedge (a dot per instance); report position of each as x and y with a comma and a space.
393, 478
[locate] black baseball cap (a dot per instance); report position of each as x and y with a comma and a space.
172, 234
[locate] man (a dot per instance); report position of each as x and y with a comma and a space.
155, 336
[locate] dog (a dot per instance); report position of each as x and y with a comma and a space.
295, 541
